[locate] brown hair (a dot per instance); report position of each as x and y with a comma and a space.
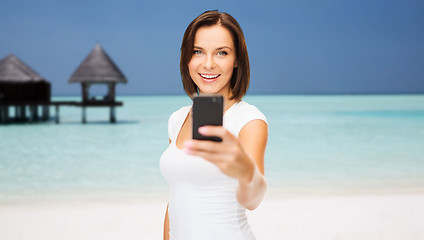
241, 74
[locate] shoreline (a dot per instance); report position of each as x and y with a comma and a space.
109, 197
113, 197
365, 217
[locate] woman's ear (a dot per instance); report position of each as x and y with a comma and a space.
235, 64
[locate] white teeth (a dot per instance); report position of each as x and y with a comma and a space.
209, 76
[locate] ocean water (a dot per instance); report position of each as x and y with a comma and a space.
317, 145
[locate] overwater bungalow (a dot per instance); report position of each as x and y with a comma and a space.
98, 69
21, 87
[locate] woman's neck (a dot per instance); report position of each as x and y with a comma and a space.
228, 103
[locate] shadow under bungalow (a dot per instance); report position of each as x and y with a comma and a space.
29, 94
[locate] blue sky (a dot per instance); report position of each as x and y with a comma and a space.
295, 47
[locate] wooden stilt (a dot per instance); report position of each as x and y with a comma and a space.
34, 113
22, 112
16, 112
84, 117
57, 114
45, 115
31, 115
36, 118
2, 118
6, 113
112, 115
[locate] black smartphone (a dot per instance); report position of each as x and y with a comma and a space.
207, 110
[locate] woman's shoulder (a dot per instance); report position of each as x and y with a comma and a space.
251, 112
241, 114
180, 113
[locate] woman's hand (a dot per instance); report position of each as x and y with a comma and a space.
227, 155
241, 158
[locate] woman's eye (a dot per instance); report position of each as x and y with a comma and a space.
197, 52
222, 53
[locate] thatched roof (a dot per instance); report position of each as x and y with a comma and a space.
98, 67
14, 70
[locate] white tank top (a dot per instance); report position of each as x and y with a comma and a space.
202, 202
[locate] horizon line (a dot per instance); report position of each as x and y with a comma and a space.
247, 95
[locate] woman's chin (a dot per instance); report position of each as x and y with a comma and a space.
208, 91
213, 89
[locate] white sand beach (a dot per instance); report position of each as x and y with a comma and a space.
361, 217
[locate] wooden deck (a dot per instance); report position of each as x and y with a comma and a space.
63, 103
21, 106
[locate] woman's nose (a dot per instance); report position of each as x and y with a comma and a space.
209, 62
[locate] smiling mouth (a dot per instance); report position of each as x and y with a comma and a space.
209, 77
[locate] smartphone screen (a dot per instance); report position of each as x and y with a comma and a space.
207, 110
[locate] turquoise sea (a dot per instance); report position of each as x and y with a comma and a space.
318, 144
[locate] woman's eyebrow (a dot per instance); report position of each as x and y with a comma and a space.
220, 48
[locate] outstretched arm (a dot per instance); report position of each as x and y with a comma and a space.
253, 138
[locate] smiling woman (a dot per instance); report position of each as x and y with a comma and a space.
212, 184
212, 45
213, 60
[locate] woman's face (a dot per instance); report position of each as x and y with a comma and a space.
214, 58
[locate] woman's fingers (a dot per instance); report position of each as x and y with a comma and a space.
200, 145
213, 131
212, 151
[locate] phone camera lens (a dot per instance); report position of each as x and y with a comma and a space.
214, 100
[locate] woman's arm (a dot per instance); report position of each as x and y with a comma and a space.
253, 137
166, 225
241, 158
166, 220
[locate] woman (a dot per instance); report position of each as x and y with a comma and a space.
212, 184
